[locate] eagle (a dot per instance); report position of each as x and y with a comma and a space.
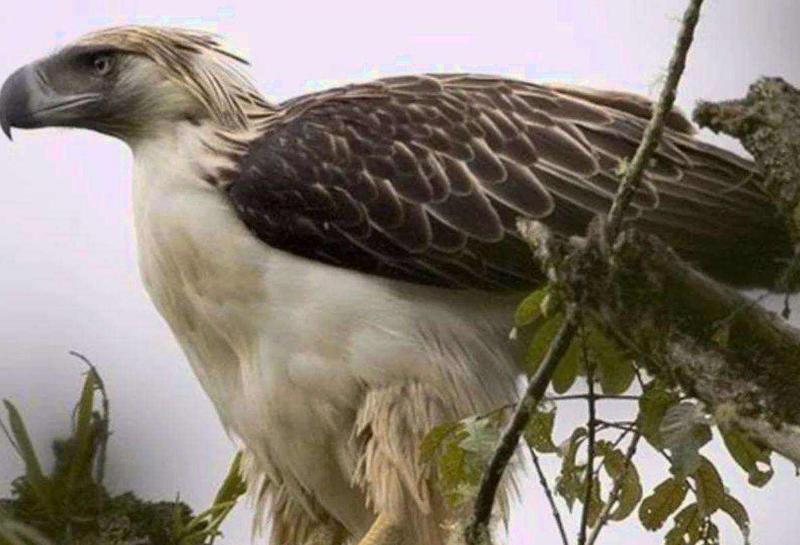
341, 269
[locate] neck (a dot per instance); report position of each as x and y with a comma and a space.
187, 154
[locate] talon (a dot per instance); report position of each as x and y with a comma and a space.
384, 531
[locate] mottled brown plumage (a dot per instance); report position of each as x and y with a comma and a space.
423, 178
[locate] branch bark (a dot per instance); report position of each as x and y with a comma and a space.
652, 135
741, 360
767, 122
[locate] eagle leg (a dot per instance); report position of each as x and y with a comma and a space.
384, 531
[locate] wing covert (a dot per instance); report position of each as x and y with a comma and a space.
422, 178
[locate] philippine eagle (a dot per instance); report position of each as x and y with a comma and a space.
341, 268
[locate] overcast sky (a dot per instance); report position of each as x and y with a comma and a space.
69, 278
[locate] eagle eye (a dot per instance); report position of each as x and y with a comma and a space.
103, 64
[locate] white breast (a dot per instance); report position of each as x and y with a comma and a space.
285, 347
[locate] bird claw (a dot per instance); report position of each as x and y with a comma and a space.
384, 531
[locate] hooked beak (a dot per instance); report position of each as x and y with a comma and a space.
27, 101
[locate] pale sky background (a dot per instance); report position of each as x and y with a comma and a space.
69, 278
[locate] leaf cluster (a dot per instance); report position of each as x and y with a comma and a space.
674, 426
71, 505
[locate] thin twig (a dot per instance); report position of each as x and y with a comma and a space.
477, 528
614, 445
590, 444
652, 134
596, 397
616, 425
614, 495
549, 494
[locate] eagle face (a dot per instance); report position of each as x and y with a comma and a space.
98, 87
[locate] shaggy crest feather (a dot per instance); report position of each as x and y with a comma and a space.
198, 61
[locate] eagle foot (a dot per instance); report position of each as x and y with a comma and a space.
384, 531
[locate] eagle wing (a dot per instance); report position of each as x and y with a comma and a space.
423, 178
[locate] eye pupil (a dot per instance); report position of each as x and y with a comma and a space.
102, 64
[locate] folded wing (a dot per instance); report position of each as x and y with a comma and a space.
422, 178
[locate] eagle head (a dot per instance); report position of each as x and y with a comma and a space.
130, 82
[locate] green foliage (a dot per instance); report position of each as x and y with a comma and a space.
461, 452
539, 431
690, 496
544, 332
569, 483
654, 403
530, 308
567, 371
613, 362
70, 504
749, 455
708, 487
665, 500
626, 476
738, 513
685, 429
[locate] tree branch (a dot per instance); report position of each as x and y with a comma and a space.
652, 135
590, 447
477, 530
767, 122
550, 499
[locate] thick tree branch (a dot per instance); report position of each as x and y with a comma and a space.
767, 122
741, 360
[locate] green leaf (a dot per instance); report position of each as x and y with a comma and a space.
710, 533
685, 430
748, 455
451, 471
434, 438
653, 405
708, 487
233, 486
615, 378
630, 487
539, 431
530, 308
596, 503
33, 470
738, 513
614, 367
665, 499
546, 330
569, 448
569, 484
567, 371
482, 436
688, 527
81, 461
464, 450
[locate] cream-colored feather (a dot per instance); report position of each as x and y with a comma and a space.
327, 378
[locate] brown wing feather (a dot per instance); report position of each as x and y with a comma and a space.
423, 177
